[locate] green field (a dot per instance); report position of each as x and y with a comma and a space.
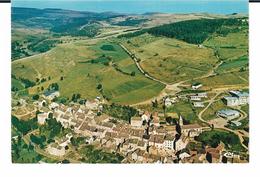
184, 108
17, 84
81, 64
214, 137
225, 80
171, 60
233, 65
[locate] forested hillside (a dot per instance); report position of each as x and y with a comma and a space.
193, 31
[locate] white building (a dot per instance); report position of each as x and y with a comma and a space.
228, 114
202, 94
196, 86
136, 121
41, 118
237, 98
53, 105
167, 102
198, 104
146, 116
92, 105
195, 98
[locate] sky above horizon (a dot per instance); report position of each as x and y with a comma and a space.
141, 6
128, 0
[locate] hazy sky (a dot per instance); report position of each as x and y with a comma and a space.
129, 0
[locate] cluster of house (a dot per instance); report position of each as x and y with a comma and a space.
195, 98
143, 138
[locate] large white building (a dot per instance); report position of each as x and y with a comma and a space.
41, 117
228, 114
237, 98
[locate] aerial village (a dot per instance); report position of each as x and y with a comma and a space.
142, 139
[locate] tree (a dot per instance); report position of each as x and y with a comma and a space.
224, 159
155, 103
164, 109
54, 86
35, 97
209, 157
99, 86
171, 121
132, 73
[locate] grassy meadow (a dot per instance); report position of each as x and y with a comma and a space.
171, 60
85, 65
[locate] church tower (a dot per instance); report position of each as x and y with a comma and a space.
180, 121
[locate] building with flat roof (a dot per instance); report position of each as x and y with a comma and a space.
228, 113
237, 98
198, 104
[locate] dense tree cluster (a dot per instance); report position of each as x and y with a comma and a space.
75, 97
18, 50
214, 137
54, 86
120, 111
43, 46
51, 128
27, 83
24, 126
92, 155
192, 31
23, 153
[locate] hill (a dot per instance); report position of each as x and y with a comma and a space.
85, 65
193, 31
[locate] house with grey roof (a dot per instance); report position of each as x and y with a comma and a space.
229, 114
